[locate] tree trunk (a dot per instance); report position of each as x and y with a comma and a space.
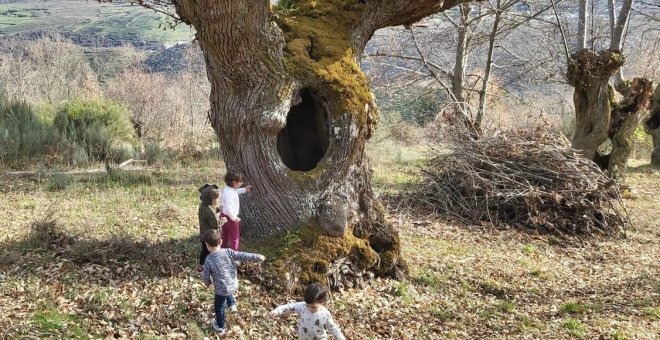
293, 110
612, 15
460, 63
583, 19
618, 34
625, 118
481, 112
652, 126
589, 72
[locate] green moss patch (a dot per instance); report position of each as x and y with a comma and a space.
302, 257
320, 55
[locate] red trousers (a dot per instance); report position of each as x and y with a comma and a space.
230, 234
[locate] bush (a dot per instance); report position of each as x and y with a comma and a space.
103, 129
155, 152
79, 132
22, 134
80, 156
60, 181
122, 152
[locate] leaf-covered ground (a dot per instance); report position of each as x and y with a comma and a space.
119, 262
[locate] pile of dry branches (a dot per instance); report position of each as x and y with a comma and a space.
533, 181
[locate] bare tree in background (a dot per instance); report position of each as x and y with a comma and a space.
48, 69
165, 115
480, 32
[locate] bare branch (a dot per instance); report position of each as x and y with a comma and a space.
165, 7
621, 24
450, 19
561, 30
440, 81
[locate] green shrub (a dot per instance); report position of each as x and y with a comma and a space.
122, 152
22, 134
102, 128
59, 181
285, 5
76, 132
155, 152
80, 156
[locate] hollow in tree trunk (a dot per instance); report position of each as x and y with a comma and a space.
293, 110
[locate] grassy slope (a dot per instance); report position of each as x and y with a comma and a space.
464, 283
119, 21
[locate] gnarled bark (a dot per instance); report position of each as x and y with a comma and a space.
625, 118
652, 126
589, 72
293, 110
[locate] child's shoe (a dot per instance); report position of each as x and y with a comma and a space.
233, 308
216, 328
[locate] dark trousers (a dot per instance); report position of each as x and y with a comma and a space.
203, 254
219, 304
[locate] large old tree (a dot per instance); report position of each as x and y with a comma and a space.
293, 110
598, 115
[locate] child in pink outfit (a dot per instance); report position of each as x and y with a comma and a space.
231, 209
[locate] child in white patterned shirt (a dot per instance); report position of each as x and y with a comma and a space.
314, 317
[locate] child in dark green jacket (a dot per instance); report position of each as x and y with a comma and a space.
209, 195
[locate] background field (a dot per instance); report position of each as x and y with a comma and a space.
110, 23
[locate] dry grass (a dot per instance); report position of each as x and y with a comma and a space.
465, 282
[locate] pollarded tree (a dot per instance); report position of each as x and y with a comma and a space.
598, 116
293, 110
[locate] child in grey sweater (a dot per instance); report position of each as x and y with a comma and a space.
220, 270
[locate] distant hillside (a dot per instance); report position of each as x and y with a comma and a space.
89, 23
95, 26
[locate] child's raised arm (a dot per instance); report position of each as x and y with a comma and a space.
249, 257
294, 307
